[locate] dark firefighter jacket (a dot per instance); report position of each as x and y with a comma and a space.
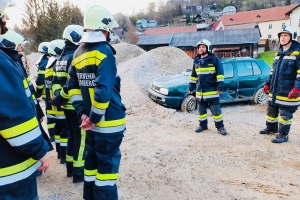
208, 76
284, 76
21, 140
59, 83
51, 110
40, 80
94, 87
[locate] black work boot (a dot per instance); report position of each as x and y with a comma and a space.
222, 131
267, 131
200, 129
280, 138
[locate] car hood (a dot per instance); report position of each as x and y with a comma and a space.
171, 81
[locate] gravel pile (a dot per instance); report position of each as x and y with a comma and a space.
138, 73
126, 51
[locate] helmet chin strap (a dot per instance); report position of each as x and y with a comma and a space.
286, 43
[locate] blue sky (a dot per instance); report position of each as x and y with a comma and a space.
114, 6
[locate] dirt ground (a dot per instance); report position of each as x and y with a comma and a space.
165, 159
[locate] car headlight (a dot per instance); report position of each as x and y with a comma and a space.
164, 91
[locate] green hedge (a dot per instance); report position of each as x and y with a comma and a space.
267, 56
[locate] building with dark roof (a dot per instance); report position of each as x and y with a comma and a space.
233, 41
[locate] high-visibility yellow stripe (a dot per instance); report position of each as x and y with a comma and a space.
96, 104
25, 83
17, 168
55, 112
19, 129
298, 71
64, 140
193, 78
107, 176
90, 172
272, 118
218, 117
207, 69
220, 76
88, 58
74, 92
40, 86
64, 95
49, 73
41, 72
206, 93
202, 116
111, 123
82, 146
284, 121
295, 53
49, 126
28, 79
62, 74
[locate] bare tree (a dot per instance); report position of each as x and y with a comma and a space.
151, 10
132, 37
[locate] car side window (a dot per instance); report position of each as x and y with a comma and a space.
228, 70
244, 68
256, 69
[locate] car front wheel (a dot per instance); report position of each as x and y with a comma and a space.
260, 97
188, 104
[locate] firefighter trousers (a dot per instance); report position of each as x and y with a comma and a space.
216, 112
51, 126
285, 115
76, 146
102, 166
61, 139
24, 192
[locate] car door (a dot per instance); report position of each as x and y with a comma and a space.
249, 78
230, 85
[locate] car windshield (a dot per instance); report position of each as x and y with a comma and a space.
186, 72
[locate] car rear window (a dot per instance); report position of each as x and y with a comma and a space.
228, 70
248, 69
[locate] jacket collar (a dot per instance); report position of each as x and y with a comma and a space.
91, 37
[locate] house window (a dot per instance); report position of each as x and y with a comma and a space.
270, 26
269, 36
231, 19
283, 25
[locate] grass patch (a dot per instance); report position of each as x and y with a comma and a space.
267, 56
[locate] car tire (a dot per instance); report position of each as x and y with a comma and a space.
260, 97
188, 104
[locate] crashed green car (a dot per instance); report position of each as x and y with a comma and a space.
244, 81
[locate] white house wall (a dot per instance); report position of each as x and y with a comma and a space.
268, 32
295, 21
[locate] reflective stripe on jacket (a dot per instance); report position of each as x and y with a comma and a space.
208, 76
21, 141
40, 80
59, 82
94, 87
51, 110
284, 76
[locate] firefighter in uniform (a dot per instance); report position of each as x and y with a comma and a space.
283, 86
76, 137
94, 89
13, 40
41, 65
208, 72
55, 115
23, 148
